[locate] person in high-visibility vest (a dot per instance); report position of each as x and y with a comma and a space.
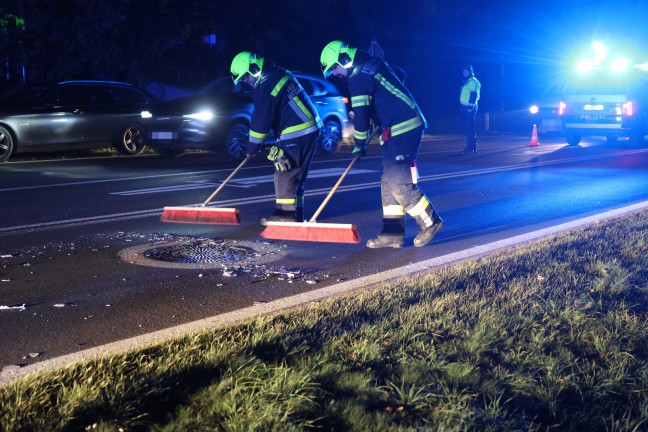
282, 107
377, 94
468, 99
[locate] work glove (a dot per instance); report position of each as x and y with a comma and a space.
280, 160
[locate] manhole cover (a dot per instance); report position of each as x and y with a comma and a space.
212, 252
203, 253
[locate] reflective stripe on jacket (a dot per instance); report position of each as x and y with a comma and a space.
281, 106
377, 92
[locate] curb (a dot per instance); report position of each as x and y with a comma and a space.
304, 298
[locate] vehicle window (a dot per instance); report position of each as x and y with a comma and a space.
220, 86
22, 95
126, 95
63, 96
98, 95
596, 83
307, 85
318, 89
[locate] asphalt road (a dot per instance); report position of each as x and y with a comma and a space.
74, 234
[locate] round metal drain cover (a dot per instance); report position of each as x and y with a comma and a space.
203, 253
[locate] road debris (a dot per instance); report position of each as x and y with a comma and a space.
31, 355
18, 308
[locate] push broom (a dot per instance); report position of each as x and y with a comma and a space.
315, 231
206, 215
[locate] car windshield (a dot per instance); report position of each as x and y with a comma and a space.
223, 86
594, 83
22, 95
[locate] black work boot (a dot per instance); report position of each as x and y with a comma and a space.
392, 235
279, 216
470, 149
429, 223
386, 241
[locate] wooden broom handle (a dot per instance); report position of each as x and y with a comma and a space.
222, 185
344, 174
337, 185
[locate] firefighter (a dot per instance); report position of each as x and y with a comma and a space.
468, 98
377, 95
282, 108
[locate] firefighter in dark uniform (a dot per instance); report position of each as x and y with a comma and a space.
378, 95
282, 107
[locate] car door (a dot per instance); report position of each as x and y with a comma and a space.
111, 108
56, 120
102, 113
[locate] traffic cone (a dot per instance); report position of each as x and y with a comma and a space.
534, 137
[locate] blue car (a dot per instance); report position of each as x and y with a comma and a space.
218, 117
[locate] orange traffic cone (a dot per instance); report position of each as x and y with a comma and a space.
534, 137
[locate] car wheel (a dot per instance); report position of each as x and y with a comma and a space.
573, 140
6, 144
236, 137
131, 140
330, 136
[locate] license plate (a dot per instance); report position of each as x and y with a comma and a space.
164, 135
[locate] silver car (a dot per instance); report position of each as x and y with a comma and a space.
218, 118
73, 115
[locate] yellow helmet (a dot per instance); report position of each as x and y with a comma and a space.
246, 62
336, 52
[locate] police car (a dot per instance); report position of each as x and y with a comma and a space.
605, 98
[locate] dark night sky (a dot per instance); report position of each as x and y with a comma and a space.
520, 49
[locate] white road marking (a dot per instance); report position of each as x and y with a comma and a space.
246, 182
270, 198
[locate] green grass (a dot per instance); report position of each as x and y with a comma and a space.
552, 336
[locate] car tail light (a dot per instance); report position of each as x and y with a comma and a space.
344, 100
628, 108
562, 108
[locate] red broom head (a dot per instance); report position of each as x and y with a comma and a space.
201, 215
311, 231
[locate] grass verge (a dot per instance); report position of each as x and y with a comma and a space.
549, 336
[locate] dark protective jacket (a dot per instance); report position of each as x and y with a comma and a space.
281, 106
377, 93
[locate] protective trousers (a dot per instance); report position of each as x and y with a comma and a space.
399, 193
289, 185
469, 128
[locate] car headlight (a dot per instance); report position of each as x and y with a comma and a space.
202, 115
534, 109
146, 114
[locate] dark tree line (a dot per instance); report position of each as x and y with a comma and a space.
164, 40
140, 41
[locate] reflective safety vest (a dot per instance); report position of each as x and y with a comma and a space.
470, 92
377, 92
281, 106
